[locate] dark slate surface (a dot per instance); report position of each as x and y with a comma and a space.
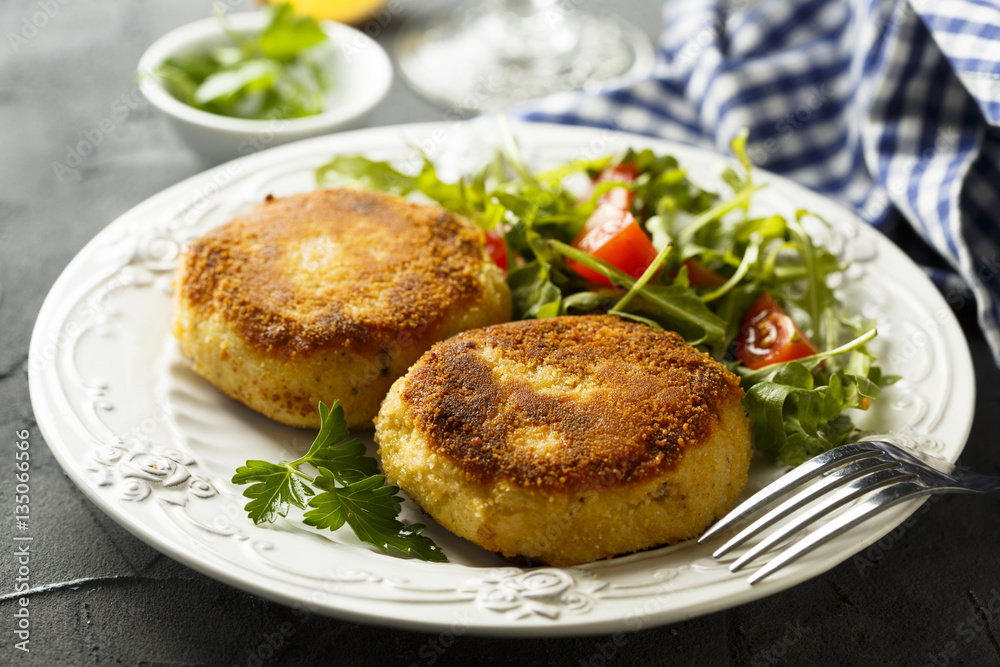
100, 596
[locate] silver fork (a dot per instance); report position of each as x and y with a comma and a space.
888, 472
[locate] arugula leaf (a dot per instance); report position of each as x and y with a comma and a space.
643, 280
737, 181
353, 491
681, 309
274, 486
554, 177
374, 174
795, 418
677, 306
741, 198
532, 290
749, 258
790, 396
600, 301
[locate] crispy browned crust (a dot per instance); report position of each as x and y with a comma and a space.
279, 277
650, 397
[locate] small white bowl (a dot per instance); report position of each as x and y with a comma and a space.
359, 68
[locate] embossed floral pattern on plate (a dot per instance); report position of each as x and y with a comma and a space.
155, 447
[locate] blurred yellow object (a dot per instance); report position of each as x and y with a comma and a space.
344, 11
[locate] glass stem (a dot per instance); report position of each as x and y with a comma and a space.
539, 32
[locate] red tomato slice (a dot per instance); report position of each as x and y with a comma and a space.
700, 275
613, 235
618, 197
769, 336
497, 247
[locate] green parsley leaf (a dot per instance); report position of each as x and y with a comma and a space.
370, 509
345, 459
274, 486
353, 492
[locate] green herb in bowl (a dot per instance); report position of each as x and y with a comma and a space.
274, 74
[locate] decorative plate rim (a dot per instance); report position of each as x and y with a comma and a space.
161, 489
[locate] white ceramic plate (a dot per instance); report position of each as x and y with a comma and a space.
155, 446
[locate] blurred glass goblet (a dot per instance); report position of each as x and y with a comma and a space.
487, 56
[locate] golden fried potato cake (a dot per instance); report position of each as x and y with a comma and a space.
569, 439
327, 295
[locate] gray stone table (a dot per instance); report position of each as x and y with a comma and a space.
100, 596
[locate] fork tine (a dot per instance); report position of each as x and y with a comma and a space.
882, 500
856, 488
824, 485
812, 468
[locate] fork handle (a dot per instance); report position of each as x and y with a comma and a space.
976, 482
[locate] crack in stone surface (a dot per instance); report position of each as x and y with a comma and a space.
50, 588
20, 364
977, 608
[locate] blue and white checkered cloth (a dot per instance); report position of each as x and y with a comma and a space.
887, 106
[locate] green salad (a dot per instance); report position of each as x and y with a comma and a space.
274, 74
643, 242
629, 235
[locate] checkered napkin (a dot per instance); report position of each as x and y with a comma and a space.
891, 107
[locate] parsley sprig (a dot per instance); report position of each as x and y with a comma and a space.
351, 491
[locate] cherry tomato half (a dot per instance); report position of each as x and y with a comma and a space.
618, 197
497, 248
769, 336
613, 235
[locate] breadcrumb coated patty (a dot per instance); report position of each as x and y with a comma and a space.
566, 440
330, 294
